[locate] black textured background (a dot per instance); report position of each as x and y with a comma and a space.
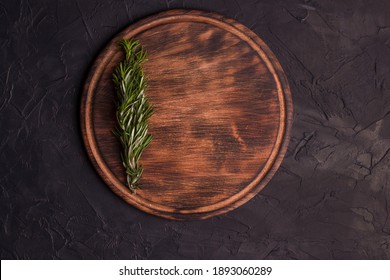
329, 200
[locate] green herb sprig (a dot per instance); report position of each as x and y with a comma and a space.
133, 110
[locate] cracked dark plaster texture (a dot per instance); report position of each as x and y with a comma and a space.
329, 200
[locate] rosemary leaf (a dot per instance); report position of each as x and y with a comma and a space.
133, 110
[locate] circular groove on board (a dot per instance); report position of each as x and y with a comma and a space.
223, 115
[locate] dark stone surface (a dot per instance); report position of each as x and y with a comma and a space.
329, 200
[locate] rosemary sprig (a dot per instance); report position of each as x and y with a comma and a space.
133, 110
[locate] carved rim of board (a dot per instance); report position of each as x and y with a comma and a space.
278, 151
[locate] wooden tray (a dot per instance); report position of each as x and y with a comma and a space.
222, 119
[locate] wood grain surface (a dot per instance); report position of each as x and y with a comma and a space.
223, 115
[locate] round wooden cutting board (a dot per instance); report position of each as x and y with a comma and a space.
222, 120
